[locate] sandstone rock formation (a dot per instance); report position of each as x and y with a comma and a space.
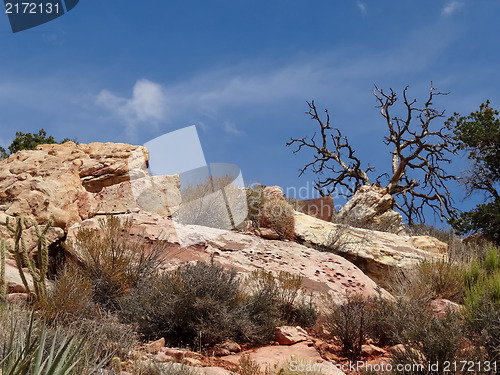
372, 251
68, 183
289, 335
371, 207
322, 208
322, 271
290, 356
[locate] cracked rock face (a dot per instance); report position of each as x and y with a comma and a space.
376, 253
68, 183
322, 272
372, 207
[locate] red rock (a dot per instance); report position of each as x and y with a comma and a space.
440, 307
321, 208
371, 350
288, 335
17, 298
268, 233
155, 346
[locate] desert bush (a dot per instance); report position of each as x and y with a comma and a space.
69, 297
202, 304
279, 215
114, 260
196, 304
347, 322
428, 340
429, 280
388, 319
288, 295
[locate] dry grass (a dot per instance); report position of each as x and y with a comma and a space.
279, 215
429, 280
114, 260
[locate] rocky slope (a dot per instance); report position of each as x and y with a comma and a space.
74, 185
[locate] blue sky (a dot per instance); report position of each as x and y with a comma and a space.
129, 71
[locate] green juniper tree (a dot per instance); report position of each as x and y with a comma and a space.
479, 136
28, 141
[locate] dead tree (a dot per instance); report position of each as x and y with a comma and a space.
417, 178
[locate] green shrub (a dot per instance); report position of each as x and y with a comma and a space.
196, 304
492, 260
482, 303
279, 215
202, 304
483, 323
114, 260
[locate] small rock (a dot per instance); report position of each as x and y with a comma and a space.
440, 306
155, 346
220, 352
162, 357
231, 346
371, 350
288, 335
178, 354
191, 362
268, 233
17, 298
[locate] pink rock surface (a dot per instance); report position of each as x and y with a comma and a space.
288, 335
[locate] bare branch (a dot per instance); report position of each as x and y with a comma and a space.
416, 149
339, 160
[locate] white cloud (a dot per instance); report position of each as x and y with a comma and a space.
232, 128
147, 104
362, 7
451, 8
213, 96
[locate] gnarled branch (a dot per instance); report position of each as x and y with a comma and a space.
338, 161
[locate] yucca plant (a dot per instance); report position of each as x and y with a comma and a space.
31, 352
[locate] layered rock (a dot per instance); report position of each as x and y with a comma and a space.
376, 253
68, 183
371, 207
322, 271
